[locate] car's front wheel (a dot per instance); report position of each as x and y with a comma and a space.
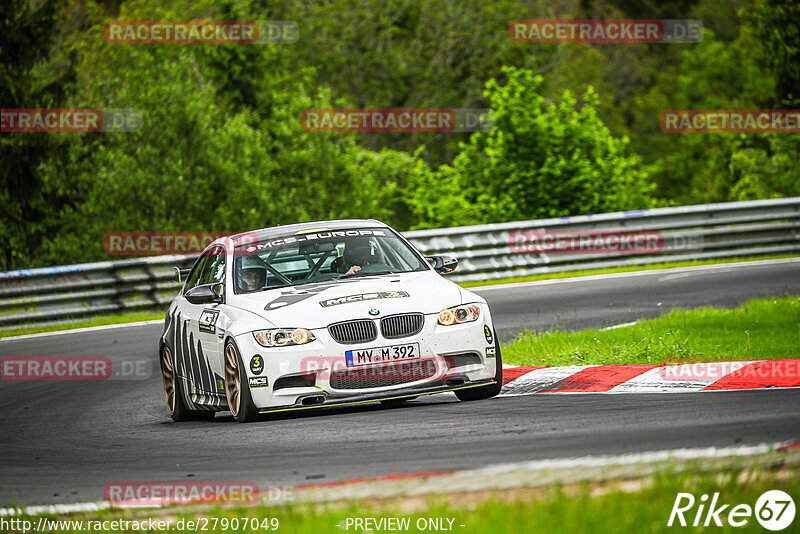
486, 392
174, 392
240, 403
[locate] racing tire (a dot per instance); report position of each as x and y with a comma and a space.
486, 392
240, 402
174, 393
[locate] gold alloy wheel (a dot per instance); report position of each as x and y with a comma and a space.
232, 381
168, 377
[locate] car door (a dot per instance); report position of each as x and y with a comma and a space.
186, 365
191, 360
209, 334
204, 336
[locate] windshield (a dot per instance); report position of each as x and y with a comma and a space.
298, 259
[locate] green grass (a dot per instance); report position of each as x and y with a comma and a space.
611, 270
765, 329
640, 505
88, 322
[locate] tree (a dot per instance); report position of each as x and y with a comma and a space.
769, 172
412, 53
694, 167
777, 25
211, 155
541, 159
27, 35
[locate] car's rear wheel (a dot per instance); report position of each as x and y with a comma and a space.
486, 392
174, 392
240, 403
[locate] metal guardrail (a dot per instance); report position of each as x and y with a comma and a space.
492, 251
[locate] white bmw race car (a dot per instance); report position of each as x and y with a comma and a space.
322, 314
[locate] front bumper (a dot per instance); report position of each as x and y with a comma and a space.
375, 397
461, 355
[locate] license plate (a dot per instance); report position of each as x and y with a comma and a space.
392, 353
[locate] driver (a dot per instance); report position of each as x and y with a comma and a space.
253, 273
358, 255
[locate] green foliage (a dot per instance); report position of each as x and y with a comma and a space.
26, 39
690, 168
214, 155
222, 147
542, 159
769, 172
412, 53
760, 329
777, 24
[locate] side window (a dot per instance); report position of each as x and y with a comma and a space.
194, 276
214, 268
218, 274
400, 254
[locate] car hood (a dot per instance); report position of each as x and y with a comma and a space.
317, 305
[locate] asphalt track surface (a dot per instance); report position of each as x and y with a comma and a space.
61, 442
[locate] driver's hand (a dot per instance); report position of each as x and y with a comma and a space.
353, 270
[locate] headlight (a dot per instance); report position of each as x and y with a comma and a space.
283, 337
459, 314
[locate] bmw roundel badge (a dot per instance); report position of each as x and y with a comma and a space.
374, 311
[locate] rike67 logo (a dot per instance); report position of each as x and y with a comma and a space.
774, 510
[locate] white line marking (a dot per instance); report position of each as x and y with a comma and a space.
55, 509
674, 277
83, 330
743, 264
614, 327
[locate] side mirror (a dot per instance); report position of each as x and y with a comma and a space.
443, 264
205, 294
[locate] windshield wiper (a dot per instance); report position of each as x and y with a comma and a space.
362, 273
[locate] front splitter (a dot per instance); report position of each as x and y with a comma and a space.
375, 397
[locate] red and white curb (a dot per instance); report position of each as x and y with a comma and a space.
708, 376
